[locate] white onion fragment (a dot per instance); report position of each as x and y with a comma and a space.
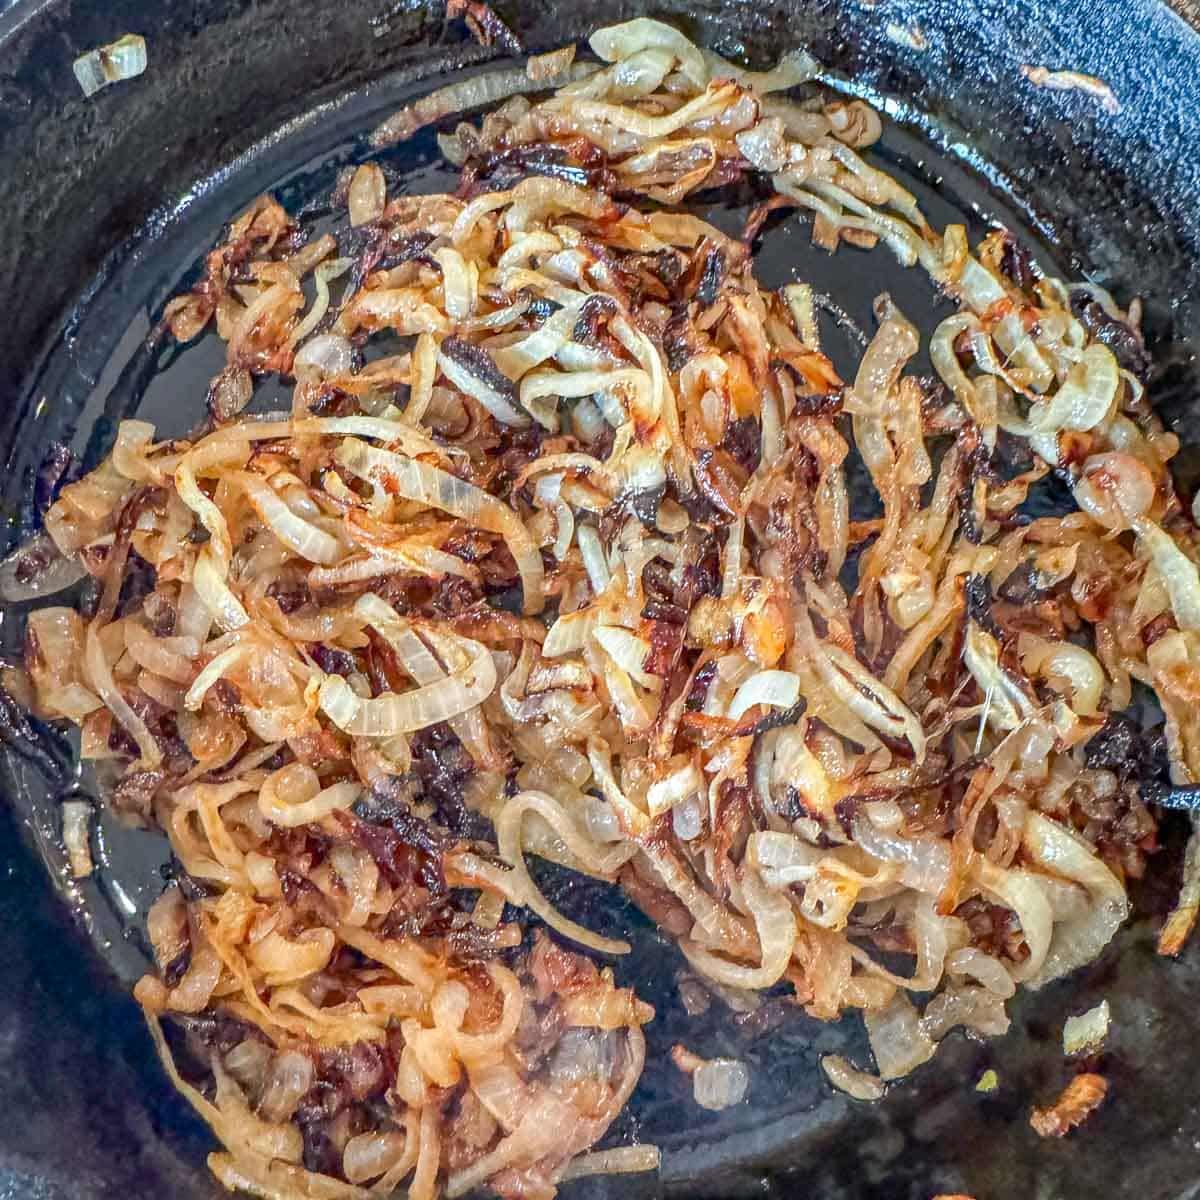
858, 1085
1086, 1033
123, 59
76, 826
720, 1083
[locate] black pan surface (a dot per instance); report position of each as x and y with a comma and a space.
111, 203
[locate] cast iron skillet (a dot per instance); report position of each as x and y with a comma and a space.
107, 203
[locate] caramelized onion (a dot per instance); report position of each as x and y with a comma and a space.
799, 742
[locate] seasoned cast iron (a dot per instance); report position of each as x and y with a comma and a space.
107, 206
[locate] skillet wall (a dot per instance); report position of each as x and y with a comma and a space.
86, 1112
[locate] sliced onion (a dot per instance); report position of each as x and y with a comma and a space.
367, 195
620, 1160
457, 292
476, 92
570, 632
193, 620
628, 651
419, 481
216, 668
974, 1008
1070, 664
194, 991
509, 840
925, 860
170, 657
390, 714
775, 924
1019, 891
600, 820
72, 701
399, 435
502, 1092
248, 1062
106, 688
129, 452
1064, 853
616, 42
472, 375
678, 786
543, 343
780, 689
687, 818
1085, 399
212, 564
594, 560
424, 375
1116, 489
289, 814
369, 1155
1178, 572
284, 960
300, 536
290, 1077
989, 971
897, 1040
628, 389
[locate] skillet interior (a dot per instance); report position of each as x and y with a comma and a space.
94, 172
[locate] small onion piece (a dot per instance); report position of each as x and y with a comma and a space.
1116, 489
290, 1076
720, 1083
290, 797
897, 1039
1178, 571
367, 195
323, 356
858, 1085
76, 827
105, 685
123, 59
617, 42
542, 67
594, 561
1086, 1033
620, 1160
369, 1155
